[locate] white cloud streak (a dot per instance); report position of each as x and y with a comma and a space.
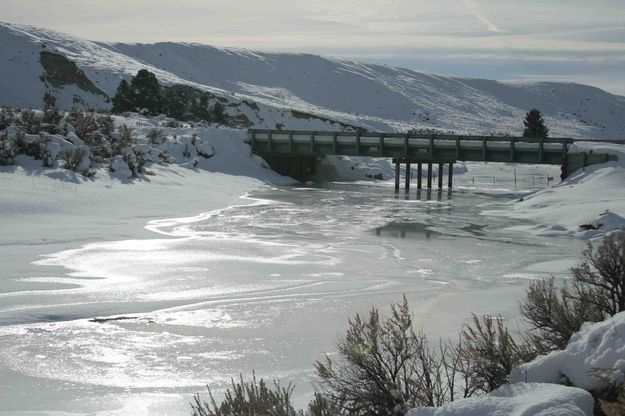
473, 7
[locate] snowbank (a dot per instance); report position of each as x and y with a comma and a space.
587, 204
45, 210
596, 346
522, 399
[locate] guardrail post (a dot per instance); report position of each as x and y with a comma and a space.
269, 141
358, 143
457, 147
484, 148
564, 149
335, 143
291, 141
406, 145
312, 142
512, 150
381, 145
541, 149
431, 149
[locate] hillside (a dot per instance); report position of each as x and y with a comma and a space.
265, 87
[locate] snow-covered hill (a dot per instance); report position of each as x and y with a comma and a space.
265, 87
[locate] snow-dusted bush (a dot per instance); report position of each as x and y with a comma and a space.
156, 136
7, 151
593, 360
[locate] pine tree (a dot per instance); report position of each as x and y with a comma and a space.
146, 93
122, 100
143, 93
218, 113
535, 125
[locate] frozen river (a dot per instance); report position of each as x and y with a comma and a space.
266, 286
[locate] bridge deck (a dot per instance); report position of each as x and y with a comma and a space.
410, 147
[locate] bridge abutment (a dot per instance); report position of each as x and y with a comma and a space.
297, 167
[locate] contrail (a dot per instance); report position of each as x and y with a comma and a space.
474, 9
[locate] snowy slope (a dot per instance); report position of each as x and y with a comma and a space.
587, 204
374, 96
597, 346
523, 399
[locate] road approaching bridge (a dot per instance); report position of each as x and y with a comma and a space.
295, 152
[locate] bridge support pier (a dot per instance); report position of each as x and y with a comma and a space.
429, 175
396, 176
419, 173
408, 174
440, 176
450, 176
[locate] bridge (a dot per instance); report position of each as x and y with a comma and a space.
295, 152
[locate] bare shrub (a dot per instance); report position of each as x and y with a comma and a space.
387, 368
106, 124
83, 123
34, 149
156, 135
7, 151
248, 398
7, 118
126, 138
490, 352
555, 315
323, 406
73, 158
599, 279
31, 121
597, 291
100, 145
173, 123
610, 399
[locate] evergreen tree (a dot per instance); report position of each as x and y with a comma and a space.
143, 93
218, 113
122, 100
535, 125
146, 93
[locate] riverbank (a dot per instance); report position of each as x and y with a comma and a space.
586, 205
257, 289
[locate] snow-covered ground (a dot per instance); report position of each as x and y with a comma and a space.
102, 229
522, 399
597, 347
587, 204
317, 88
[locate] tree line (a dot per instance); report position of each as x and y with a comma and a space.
144, 94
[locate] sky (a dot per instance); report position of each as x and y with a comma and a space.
563, 40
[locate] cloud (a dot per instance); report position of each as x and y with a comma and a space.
474, 9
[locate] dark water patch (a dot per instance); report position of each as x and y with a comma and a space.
405, 230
